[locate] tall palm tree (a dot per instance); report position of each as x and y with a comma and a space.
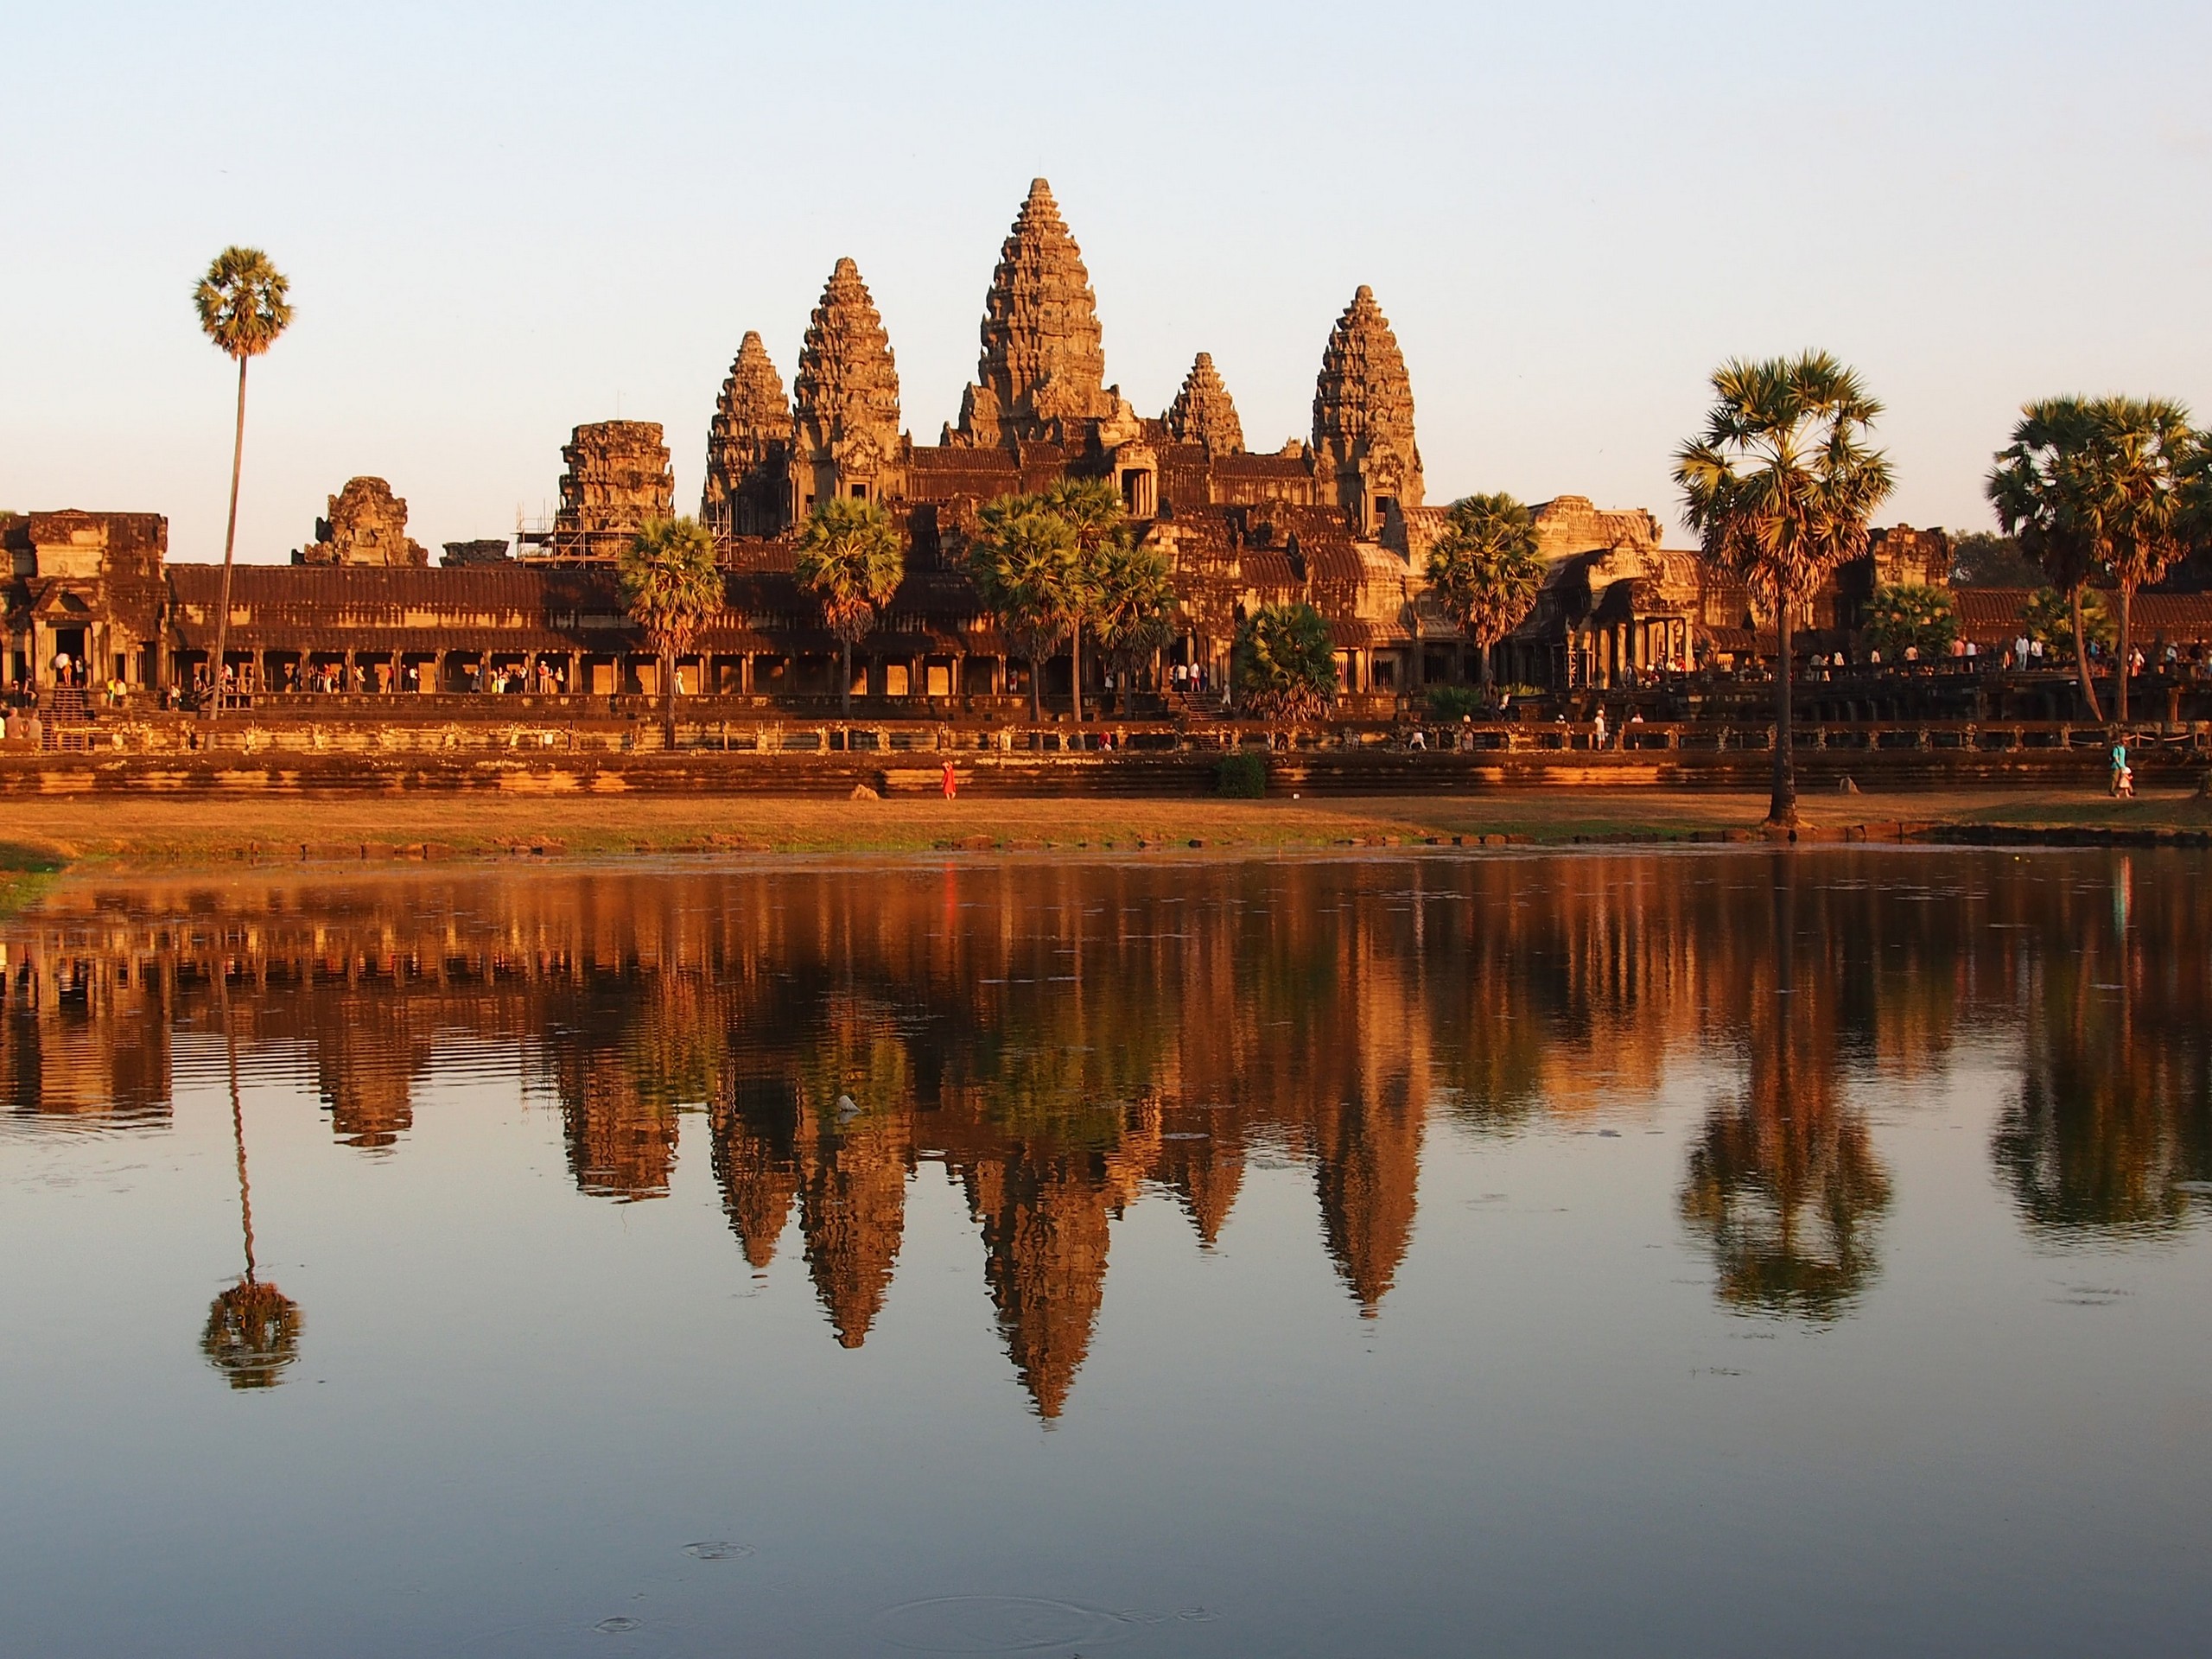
672, 585
2145, 452
1091, 507
1779, 488
851, 556
1027, 565
242, 307
1132, 603
1485, 570
2044, 492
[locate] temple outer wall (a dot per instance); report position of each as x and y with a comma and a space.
258, 766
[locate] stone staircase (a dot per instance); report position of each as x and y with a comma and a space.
64, 703
65, 719
1192, 705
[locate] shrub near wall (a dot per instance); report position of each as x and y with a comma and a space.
1911, 614
1243, 777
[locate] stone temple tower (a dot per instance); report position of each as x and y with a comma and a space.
1043, 370
1203, 412
846, 439
618, 478
748, 449
1364, 419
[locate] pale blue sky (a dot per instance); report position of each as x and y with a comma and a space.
500, 222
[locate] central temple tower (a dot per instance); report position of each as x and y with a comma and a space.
1043, 370
1364, 418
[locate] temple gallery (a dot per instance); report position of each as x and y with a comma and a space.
1337, 518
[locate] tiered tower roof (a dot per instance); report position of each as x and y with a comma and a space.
1043, 360
1203, 412
848, 381
1363, 391
1364, 405
749, 436
618, 478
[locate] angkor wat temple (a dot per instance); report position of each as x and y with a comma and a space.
1338, 518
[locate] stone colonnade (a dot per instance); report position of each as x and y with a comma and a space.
931, 672
1602, 657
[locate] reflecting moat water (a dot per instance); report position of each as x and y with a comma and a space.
1617, 1252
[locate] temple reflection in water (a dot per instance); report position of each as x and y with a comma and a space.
1062, 1038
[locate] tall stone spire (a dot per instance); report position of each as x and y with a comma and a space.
847, 395
1367, 1168
754, 1147
1043, 365
1044, 1215
1203, 412
853, 1212
1363, 416
749, 448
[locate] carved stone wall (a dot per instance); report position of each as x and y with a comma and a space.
365, 524
748, 449
618, 478
1043, 369
1203, 412
1904, 556
1569, 524
1364, 418
846, 440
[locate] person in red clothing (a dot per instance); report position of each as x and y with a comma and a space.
951, 783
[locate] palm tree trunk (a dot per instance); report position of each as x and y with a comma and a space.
238, 1134
1782, 809
1075, 669
237, 1111
230, 545
2120, 679
2082, 657
1036, 687
668, 699
845, 681
1490, 671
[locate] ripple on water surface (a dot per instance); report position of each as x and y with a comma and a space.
999, 1625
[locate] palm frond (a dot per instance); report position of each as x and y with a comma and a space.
243, 301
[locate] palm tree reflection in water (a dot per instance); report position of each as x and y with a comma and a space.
1784, 1180
253, 1328
2111, 1133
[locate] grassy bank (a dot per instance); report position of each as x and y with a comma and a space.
25, 873
172, 832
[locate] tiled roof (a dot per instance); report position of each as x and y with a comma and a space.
1250, 466
1991, 615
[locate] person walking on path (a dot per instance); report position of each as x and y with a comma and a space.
951, 782
2123, 775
